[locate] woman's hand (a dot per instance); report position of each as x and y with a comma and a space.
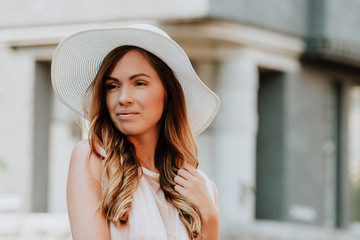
192, 186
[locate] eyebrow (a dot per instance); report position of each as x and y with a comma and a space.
131, 77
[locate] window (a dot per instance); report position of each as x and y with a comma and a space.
270, 153
56, 131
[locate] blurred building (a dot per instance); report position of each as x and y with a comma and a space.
284, 149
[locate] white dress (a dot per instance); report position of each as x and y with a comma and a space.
152, 217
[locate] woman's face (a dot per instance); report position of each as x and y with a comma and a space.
134, 95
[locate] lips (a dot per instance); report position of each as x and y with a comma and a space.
127, 114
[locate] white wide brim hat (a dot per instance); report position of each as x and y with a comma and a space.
77, 58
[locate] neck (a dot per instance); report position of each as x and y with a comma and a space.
145, 147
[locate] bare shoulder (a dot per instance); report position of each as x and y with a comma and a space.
82, 148
80, 155
83, 196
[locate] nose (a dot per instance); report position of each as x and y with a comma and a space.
126, 96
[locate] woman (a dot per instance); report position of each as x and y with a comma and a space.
136, 176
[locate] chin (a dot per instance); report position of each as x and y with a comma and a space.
129, 132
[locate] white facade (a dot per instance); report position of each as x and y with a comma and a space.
38, 132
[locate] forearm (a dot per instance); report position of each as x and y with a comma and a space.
210, 225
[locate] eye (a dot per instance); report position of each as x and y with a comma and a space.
140, 83
111, 86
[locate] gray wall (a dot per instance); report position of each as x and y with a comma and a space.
302, 167
343, 20
279, 15
308, 130
331, 27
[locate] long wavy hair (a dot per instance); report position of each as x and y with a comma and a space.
121, 169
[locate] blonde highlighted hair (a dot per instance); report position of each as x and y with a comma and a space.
176, 146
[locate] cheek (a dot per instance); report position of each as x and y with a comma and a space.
110, 106
109, 100
157, 104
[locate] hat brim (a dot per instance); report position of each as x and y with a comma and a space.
77, 58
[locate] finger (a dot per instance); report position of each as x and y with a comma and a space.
192, 170
184, 174
180, 190
181, 181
